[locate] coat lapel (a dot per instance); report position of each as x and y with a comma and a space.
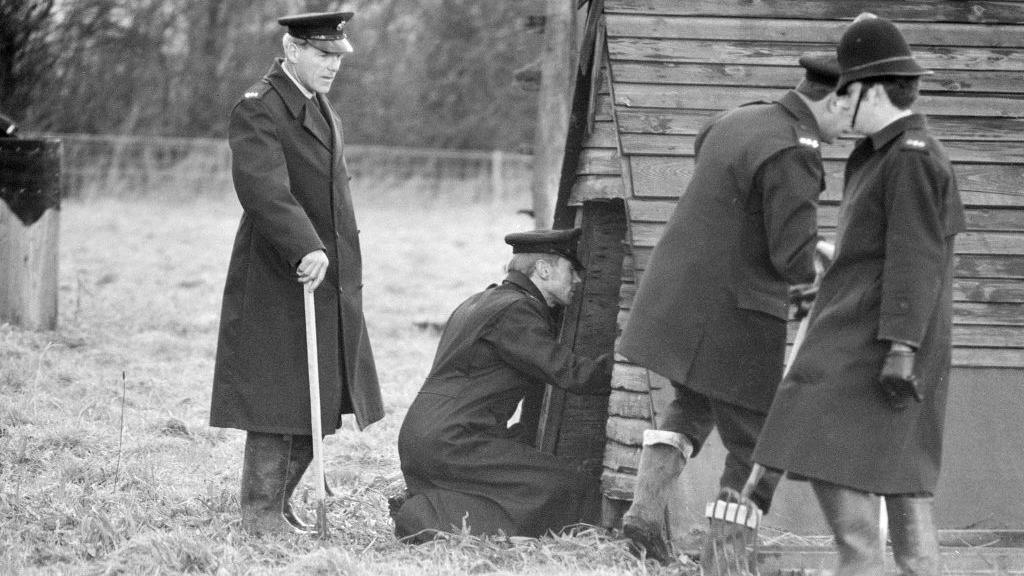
300, 106
314, 122
338, 167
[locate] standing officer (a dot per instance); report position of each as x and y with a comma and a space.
463, 464
710, 312
297, 230
860, 413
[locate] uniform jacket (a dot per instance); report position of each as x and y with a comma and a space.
891, 280
455, 443
290, 176
710, 311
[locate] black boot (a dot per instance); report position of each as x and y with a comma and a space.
915, 543
853, 516
299, 457
662, 459
264, 469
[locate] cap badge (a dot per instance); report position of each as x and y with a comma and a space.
341, 26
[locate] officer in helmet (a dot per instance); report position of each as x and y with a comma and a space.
860, 413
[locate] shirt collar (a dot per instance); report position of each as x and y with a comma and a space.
308, 94
289, 91
895, 128
521, 281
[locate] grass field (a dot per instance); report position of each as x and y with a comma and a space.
107, 465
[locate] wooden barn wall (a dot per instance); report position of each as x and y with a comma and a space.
673, 64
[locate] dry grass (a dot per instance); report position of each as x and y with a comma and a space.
140, 295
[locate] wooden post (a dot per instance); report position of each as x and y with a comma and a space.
553, 104
29, 226
573, 426
497, 181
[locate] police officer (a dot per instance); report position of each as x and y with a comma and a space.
711, 308
860, 413
463, 464
298, 231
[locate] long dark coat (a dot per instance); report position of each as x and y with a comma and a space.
459, 454
710, 311
891, 280
290, 176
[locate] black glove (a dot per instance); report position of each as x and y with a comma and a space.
801, 296
897, 378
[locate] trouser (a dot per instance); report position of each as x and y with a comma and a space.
695, 415
853, 517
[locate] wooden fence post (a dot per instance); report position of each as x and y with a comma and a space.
497, 178
29, 225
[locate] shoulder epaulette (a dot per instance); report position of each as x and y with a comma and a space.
805, 137
257, 90
754, 103
914, 140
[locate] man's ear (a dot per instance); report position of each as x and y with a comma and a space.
543, 269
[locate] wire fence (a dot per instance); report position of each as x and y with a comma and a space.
97, 166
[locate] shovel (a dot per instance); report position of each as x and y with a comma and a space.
732, 541
314, 413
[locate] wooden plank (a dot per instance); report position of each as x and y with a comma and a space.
619, 485
972, 336
988, 290
804, 30
636, 379
631, 405
723, 98
602, 136
690, 122
589, 187
597, 161
732, 73
646, 234
676, 145
621, 458
981, 185
964, 290
743, 52
988, 357
990, 313
1004, 267
628, 431
905, 10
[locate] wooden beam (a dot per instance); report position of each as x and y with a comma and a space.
554, 102
978, 11
573, 426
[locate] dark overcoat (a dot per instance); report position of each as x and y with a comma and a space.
891, 280
290, 176
459, 456
710, 311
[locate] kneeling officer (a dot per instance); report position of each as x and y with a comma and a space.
463, 464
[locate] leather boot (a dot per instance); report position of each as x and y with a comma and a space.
264, 469
299, 457
915, 542
662, 459
853, 516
